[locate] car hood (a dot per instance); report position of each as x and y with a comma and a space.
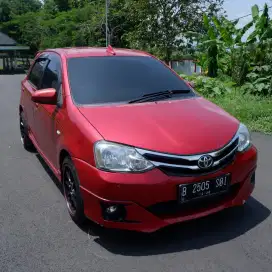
188, 126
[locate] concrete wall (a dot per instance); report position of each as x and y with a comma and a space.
186, 67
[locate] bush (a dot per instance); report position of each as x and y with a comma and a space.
260, 77
210, 87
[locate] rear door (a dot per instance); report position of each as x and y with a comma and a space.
29, 86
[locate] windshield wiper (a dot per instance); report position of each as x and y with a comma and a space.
158, 95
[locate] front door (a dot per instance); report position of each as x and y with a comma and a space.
31, 85
47, 117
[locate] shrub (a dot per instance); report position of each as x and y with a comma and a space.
210, 87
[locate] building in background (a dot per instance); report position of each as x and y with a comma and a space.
186, 66
13, 57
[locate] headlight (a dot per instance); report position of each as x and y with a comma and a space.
119, 158
244, 138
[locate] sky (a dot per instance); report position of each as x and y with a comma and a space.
239, 8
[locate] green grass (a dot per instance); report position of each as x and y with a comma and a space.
255, 112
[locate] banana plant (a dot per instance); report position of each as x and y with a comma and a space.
260, 48
263, 25
209, 47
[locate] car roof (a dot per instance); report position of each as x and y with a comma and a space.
74, 52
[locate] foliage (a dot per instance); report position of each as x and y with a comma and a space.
63, 5
169, 29
10, 8
222, 50
152, 25
260, 77
210, 87
161, 24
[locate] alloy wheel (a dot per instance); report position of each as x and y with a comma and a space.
70, 190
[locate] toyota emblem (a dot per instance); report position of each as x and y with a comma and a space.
205, 162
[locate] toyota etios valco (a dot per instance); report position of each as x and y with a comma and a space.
134, 145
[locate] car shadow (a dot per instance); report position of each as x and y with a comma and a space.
200, 233
49, 172
197, 234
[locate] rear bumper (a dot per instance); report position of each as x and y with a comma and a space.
150, 198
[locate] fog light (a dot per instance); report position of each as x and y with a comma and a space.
111, 209
113, 212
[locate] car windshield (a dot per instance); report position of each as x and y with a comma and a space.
114, 79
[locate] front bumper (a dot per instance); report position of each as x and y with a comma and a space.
150, 198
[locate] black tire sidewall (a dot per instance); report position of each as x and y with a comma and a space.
27, 143
78, 216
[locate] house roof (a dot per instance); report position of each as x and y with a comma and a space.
5, 40
13, 48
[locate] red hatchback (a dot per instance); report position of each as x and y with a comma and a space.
133, 144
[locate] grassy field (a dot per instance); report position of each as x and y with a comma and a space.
255, 112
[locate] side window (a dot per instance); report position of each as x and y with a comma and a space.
52, 74
37, 71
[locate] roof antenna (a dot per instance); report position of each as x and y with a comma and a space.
107, 14
110, 50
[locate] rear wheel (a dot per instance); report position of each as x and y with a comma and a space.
71, 191
26, 141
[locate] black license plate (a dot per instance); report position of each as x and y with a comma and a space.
192, 191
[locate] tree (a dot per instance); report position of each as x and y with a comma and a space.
10, 8
5, 12
157, 26
50, 7
161, 24
63, 5
78, 3
260, 48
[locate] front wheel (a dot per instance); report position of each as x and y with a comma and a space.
71, 191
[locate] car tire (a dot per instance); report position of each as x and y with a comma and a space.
71, 190
26, 141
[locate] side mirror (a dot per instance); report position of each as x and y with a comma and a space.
45, 96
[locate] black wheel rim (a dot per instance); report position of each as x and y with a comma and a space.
22, 128
70, 190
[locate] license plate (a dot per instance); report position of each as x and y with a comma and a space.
188, 192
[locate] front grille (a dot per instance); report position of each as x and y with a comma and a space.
178, 165
173, 208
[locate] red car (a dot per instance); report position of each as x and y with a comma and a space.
133, 144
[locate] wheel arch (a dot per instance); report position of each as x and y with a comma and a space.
62, 155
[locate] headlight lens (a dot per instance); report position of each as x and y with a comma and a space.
244, 138
119, 158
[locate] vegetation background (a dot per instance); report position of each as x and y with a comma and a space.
237, 70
